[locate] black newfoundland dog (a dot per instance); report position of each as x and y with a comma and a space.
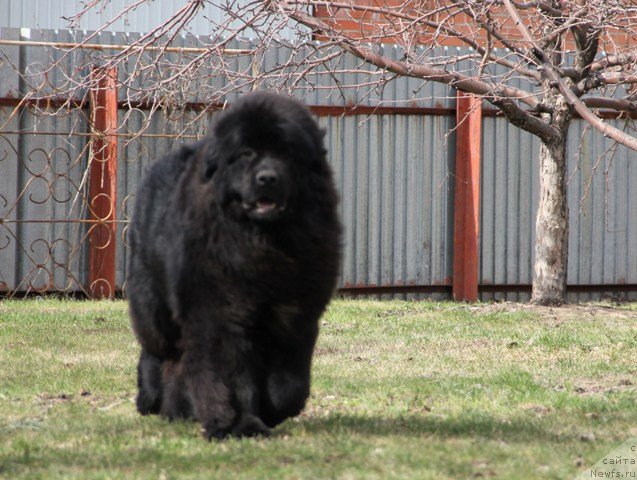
235, 251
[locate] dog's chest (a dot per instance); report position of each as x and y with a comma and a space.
284, 318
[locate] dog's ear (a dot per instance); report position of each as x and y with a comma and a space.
208, 158
210, 168
321, 144
186, 152
318, 136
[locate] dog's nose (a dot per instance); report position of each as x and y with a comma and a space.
267, 178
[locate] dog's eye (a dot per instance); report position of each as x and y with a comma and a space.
210, 171
244, 155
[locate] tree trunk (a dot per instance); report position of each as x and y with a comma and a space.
551, 228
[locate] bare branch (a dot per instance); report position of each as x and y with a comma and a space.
618, 104
622, 59
571, 97
163, 72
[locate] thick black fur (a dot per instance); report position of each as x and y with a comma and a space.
235, 251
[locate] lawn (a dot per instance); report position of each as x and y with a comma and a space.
400, 390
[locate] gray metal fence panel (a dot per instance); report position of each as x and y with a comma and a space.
10, 169
601, 221
41, 179
55, 15
509, 188
394, 173
49, 14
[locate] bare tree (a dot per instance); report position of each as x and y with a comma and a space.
575, 57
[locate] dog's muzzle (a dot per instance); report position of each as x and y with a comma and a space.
269, 197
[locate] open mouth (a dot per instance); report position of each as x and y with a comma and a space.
264, 207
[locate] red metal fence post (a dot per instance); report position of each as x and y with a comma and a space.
467, 197
103, 184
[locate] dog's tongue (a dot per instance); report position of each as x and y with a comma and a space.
265, 205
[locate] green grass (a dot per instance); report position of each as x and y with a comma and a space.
400, 390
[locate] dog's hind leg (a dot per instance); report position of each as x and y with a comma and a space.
176, 403
149, 383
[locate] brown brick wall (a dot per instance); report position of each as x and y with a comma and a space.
376, 25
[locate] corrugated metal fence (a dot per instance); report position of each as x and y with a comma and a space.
602, 219
55, 14
394, 169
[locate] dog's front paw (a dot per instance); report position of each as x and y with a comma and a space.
146, 405
216, 430
250, 426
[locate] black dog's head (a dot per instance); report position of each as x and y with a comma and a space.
262, 152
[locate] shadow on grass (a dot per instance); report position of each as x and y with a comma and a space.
472, 425
179, 448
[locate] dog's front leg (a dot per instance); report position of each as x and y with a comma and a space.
248, 369
209, 391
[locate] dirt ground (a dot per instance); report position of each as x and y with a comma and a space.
568, 311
